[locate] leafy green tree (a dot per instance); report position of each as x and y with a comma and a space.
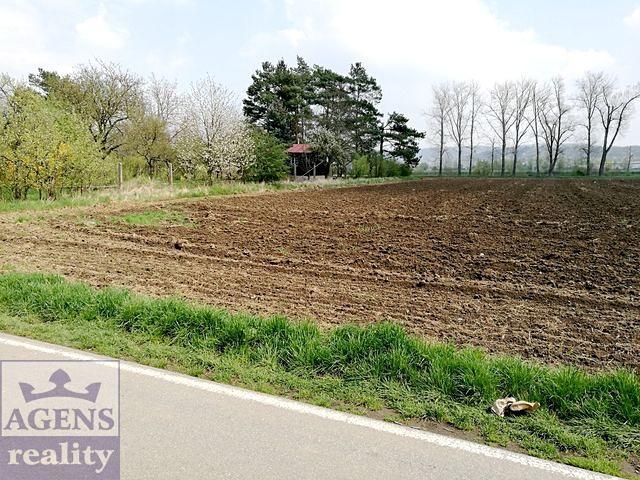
399, 140
104, 94
108, 98
271, 159
148, 137
43, 146
62, 89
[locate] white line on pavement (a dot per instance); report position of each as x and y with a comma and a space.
294, 406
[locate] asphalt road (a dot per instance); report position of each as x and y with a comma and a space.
178, 427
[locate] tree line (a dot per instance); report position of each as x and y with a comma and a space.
546, 114
338, 114
66, 131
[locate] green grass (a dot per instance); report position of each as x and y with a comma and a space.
142, 189
587, 419
153, 218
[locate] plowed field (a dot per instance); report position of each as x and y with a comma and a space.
547, 269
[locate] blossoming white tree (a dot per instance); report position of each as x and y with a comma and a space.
214, 133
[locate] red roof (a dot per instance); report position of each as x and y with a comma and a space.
299, 148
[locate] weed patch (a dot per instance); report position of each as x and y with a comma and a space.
154, 218
586, 419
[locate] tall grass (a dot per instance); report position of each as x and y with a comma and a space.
382, 352
145, 189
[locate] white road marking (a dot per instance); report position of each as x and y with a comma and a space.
292, 405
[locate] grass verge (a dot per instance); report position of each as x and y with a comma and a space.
149, 190
587, 420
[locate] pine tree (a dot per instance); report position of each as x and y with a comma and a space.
400, 139
278, 100
363, 116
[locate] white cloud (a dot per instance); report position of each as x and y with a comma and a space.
24, 41
408, 45
455, 39
633, 19
98, 32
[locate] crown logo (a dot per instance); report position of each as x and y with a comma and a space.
60, 378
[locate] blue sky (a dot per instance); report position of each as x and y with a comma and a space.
407, 44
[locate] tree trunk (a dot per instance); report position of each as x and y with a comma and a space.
471, 148
441, 145
504, 149
459, 159
603, 159
515, 160
537, 156
493, 156
588, 151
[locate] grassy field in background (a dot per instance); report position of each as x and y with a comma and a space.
148, 190
587, 420
145, 189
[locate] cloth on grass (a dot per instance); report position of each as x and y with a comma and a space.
508, 405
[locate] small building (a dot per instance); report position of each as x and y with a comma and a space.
306, 163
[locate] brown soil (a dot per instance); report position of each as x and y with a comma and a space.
547, 269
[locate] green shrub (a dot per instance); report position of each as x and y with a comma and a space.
271, 159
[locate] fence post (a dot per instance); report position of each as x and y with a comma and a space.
171, 174
119, 175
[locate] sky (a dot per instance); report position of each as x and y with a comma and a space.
408, 45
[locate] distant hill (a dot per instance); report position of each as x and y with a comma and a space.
573, 158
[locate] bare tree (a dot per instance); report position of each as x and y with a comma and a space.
164, 102
437, 117
615, 111
459, 117
555, 124
588, 97
534, 121
475, 99
522, 100
502, 115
